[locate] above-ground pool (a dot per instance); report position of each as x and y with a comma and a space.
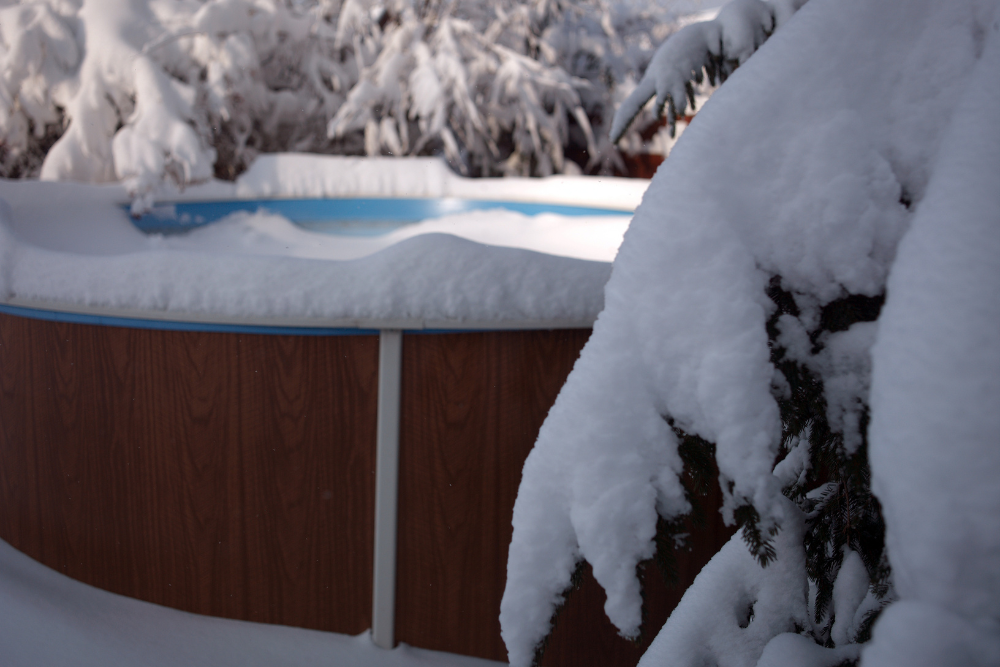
235, 427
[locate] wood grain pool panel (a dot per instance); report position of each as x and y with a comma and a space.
472, 404
471, 409
223, 474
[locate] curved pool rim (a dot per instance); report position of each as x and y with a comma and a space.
312, 213
165, 320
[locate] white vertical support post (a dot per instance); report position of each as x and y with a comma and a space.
390, 362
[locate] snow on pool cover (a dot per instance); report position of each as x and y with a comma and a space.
409, 244
350, 216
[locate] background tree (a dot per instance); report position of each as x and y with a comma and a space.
176, 91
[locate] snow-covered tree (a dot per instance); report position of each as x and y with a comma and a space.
154, 91
850, 163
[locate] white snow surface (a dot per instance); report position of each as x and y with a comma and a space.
792, 650
849, 591
47, 618
935, 432
302, 175
798, 166
73, 245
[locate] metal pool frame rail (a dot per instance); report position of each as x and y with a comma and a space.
390, 366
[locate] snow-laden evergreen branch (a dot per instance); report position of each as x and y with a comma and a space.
708, 48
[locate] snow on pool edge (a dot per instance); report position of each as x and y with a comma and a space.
71, 243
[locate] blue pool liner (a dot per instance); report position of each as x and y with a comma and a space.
362, 215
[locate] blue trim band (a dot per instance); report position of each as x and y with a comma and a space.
169, 325
167, 218
172, 325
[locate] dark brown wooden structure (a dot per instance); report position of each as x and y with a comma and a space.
222, 474
232, 474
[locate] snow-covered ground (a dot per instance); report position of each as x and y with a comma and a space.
48, 619
71, 245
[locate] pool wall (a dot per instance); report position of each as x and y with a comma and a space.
223, 474
233, 474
